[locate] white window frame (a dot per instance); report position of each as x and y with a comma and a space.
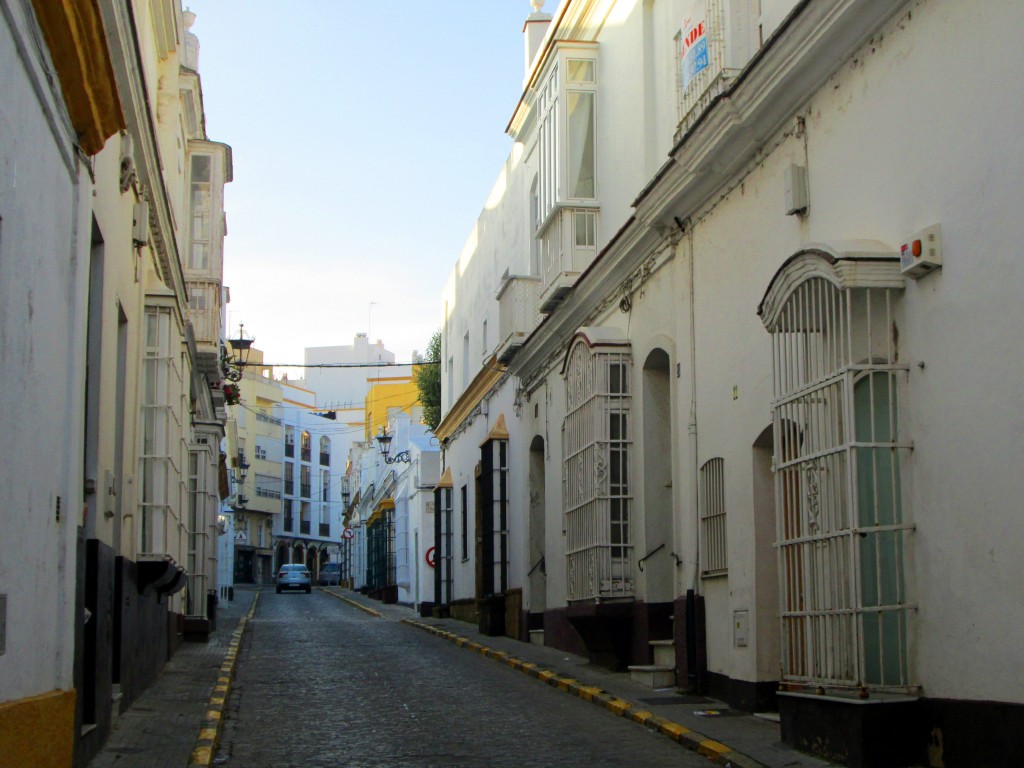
162, 451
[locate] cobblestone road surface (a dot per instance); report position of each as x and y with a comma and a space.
320, 683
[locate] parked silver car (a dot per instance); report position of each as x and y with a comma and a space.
330, 575
295, 576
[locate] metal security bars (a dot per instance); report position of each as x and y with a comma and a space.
699, 85
443, 552
841, 533
494, 516
712, 517
595, 474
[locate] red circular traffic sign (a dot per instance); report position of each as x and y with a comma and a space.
349, 533
431, 557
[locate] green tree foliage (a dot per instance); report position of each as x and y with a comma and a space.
427, 378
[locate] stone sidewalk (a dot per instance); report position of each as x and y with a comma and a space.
162, 727
727, 737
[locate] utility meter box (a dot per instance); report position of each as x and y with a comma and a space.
140, 223
922, 253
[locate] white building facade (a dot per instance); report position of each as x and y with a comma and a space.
742, 347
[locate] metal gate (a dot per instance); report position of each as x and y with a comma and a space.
841, 534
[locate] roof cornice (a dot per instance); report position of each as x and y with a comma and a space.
482, 383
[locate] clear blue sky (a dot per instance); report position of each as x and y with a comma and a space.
366, 138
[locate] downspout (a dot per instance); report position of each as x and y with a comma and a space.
691, 426
693, 681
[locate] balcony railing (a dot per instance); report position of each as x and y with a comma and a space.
289, 450
325, 494
568, 246
304, 527
325, 459
305, 489
307, 454
325, 529
517, 312
697, 94
289, 487
289, 524
268, 493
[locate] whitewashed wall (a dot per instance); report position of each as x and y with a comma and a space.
44, 226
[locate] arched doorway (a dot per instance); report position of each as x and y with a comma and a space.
766, 565
659, 566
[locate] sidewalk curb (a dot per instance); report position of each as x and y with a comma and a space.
209, 730
355, 604
719, 753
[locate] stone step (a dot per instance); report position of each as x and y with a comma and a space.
537, 637
653, 675
664, 652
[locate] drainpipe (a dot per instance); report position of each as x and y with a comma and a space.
694, 590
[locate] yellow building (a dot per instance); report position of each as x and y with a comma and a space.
255, 457
387, 394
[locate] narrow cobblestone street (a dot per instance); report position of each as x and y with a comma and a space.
320, 683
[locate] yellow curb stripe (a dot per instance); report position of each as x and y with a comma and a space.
209, 732
588, 692
354, 603
674, 731
680, 734
712, 748
618, 706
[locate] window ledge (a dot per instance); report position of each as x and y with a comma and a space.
716, 574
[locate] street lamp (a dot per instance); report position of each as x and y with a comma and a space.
240, 346
384, 441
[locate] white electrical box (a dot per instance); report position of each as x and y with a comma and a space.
140, 223
796, 190
922, 253
740, 628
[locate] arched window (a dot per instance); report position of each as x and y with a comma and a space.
841, 533
306, 447
596, 483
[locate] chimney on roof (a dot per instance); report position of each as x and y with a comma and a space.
191, 41
534, 29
